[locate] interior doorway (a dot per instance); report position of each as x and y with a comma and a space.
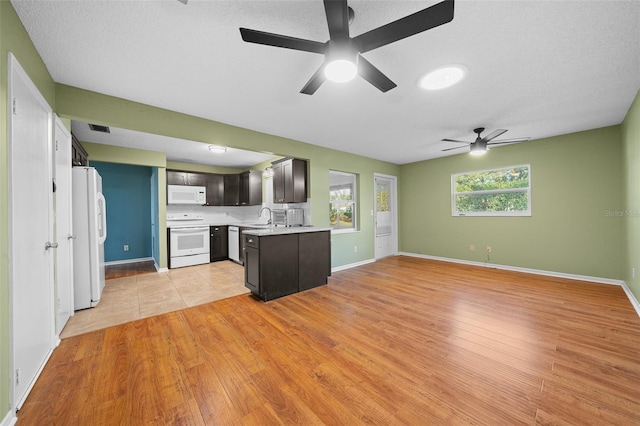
386, 222
31, 241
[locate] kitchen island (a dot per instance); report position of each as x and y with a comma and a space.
283, 261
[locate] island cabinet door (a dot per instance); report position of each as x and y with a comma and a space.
278, 266
252, 269
314, 259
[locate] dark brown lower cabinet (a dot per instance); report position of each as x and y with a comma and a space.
314, 259
279, 265
219, 243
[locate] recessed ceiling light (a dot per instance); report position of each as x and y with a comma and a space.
217, 149
442, 77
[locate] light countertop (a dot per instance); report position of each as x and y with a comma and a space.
262, 232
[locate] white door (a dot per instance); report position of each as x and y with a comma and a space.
30, 231
64, 232
385, 216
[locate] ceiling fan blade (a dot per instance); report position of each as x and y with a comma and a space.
507, 141
451, 149
493, 135
277, 40
374, 76
314, 82
337, 19
454, 140
418, 22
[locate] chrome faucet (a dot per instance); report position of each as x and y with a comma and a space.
260, 214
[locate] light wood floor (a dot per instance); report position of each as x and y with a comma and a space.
399, 341
135, 294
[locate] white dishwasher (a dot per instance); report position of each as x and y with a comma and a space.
234, 243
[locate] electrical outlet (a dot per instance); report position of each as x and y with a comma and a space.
488, 249
355, 249
633, 273
126, 247
472, 247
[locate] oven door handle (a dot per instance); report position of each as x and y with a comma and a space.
188, 230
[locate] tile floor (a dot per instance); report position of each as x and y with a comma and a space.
141, 296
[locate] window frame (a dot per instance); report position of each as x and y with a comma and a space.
353, 202
527, 190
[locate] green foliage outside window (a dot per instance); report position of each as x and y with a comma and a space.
341, 216
493, 192
514, 201
517, 177
382, 200
342, 203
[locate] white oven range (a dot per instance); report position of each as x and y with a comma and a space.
188, 240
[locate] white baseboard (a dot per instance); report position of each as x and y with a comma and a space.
161, 270
122, 262
632, 297
598, 280
9, 420
352, 265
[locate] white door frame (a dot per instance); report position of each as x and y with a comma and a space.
15, 72
63, 226
394, 208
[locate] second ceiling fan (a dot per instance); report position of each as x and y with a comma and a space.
480, 145
343, 50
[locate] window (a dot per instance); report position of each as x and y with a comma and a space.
496, 192
342, 200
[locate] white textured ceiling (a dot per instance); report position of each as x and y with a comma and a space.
536, 68
176, 149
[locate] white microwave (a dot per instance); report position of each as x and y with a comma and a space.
183, 194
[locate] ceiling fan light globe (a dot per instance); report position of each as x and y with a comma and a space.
478, 148
340, 71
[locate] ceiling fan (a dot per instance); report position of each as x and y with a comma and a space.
344, 52
480, 145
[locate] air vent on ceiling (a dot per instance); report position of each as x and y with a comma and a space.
99, 128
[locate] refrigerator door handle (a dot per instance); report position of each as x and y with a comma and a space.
102, 208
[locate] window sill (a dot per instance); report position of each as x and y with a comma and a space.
343, 231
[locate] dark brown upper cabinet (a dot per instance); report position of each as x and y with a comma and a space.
231, 190
215, 189
289, 181
175, 177
251, 188
79, 156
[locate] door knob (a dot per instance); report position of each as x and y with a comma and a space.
71, 237
49, 245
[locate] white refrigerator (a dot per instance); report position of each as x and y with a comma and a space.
90, 229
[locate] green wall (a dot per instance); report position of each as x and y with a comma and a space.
13, 38
631, 193
575, 179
